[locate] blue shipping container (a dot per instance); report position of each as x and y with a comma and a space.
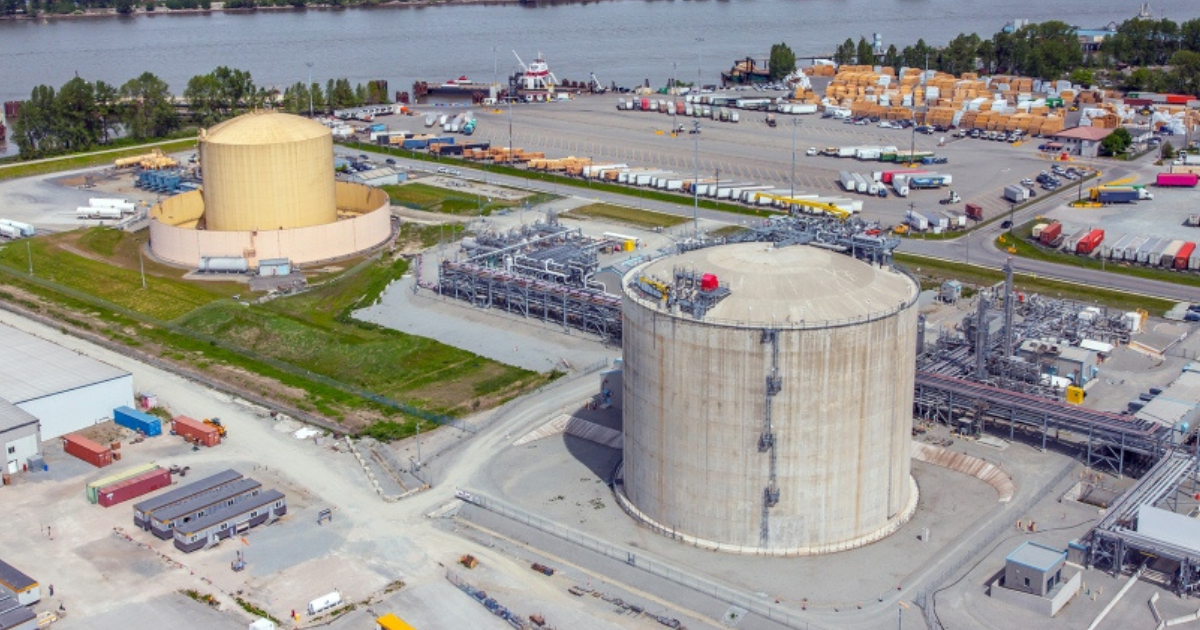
133, 419
378, 127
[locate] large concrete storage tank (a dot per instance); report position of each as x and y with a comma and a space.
267, 171
779, 422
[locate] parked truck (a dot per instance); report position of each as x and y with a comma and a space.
846, 179
974, 211
1121, 194
1088, 243
1015, 193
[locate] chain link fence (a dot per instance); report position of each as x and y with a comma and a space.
751, 602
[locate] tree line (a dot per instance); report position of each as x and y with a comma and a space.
65, 7
1143, 54
82, 115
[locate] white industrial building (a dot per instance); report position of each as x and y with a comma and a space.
377, 177
19, 437
66, 391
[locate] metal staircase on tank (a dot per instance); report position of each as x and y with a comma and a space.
766, 441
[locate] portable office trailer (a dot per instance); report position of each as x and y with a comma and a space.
14, 616
24, 588
230, 519
164, 521
143, 509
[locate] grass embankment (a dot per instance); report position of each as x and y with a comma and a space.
437, 199
103, 157
1024, 248
932, 272
622, 214
503, 169
304, 350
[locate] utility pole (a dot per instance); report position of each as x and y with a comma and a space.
142, 267
310, 86
29, 254
696, 189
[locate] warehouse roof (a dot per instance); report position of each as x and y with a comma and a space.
1177, 403
1094, 134
12, 416
375, 173
13, 614
201, 501
794, 285
15, 580
229, 512
258, 128
1036, 556
35, 368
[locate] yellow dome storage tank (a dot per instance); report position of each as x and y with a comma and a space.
267, 171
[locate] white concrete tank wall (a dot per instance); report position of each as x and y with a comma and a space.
695, 401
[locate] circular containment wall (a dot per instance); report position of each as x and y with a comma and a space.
267, 171
779, 423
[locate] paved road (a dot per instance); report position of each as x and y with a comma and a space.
977, 247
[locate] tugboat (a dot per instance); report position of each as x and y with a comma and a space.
535, 82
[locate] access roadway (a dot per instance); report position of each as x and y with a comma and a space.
977, 247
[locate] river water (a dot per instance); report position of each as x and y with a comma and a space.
626, 41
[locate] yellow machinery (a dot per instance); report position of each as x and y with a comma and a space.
392, 622
1075, 395
808, 204
216, 423
661, 287
900, 229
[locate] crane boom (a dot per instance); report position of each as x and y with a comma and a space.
523, 66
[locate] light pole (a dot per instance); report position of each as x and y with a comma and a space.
310, 98
699, 43
795, 123
674, 112
696, 189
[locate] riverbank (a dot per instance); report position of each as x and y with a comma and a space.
219, 7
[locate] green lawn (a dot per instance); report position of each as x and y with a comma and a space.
103, 262
623, 214
938, 270
85, 160
437, 199
339, 367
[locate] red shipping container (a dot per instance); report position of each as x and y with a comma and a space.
1178, 99
1139, 102
708, 282
1050, 232
144, 483
1185, 252
195, 431
87, 450
975, 211
888, 176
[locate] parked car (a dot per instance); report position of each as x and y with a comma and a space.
811, 151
